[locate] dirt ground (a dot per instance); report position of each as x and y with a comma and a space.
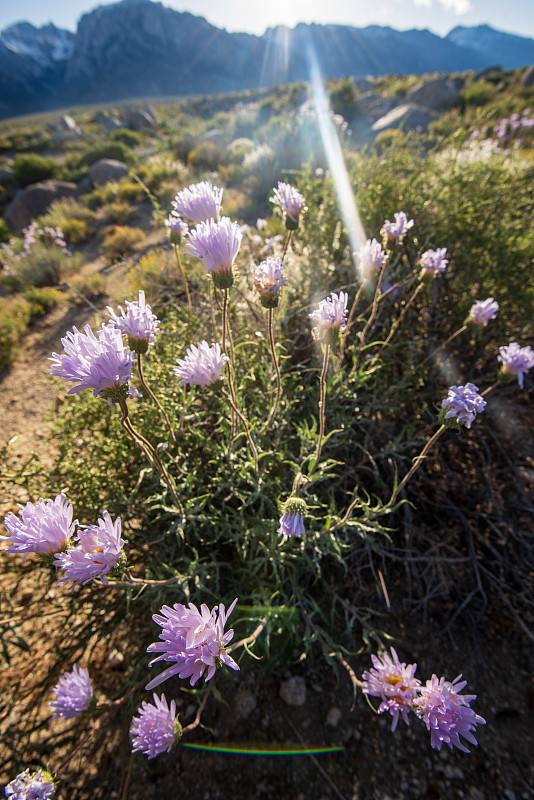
494, 652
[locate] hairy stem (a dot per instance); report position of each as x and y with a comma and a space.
184, 281
274, 357
415, 466
322, 404
153, 396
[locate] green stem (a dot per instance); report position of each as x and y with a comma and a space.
147, 446
445, 343
250, 440
277, 370
153, 396
322, 404
286, 243
374, 309
184, 281
415, 466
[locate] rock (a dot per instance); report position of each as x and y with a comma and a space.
293, 691
407, 116
527, 79
85, 185
66, 123
333, 716
109, 123
364, 85
6, 176
34, 200
116, 659
483, 73
439, 94
244, 702
138, 120
106, 170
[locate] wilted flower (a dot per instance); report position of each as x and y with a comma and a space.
99, 549
395, 683
138, 323
371, 259
292, 519
483, 310
97, 362
156, 728
177, 228
44, 528
31, 786
516, 360
291, 202
193, 640
202, 365
199, 202
447, 714
393, 232
433, 262
73, 693
463, 403
268, 281
217, 244
330, 315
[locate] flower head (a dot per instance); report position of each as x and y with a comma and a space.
138, 323
447, 714
483, 310
156, 728
202, 365
44, 528
99, 549
394, 232
395, 683
291, 202
177, 228
217, 244
199, 202
433, 262
331, 314
73, 693
193, 640
31, 786
371, 259
292, 519
268, 281
261, 223
516, 360
463, 403
98, 362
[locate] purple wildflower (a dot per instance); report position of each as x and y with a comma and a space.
394, 232
138, 323
395, 683
202, 365
268, 281
292, 519
73, 693
177, 229
99, 549
261, 224
447, 714
217, 244
31, 786
483, 310
516, 360
371, 259
331, 314
433, 262
44, 528
156, 728
200, 202
291, 202
192, 639
98, 362
463, 403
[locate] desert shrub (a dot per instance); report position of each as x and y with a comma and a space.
5, 233
32, 168
344, 98
76, 220
387, 138
476, 94
129, 138
15, 315
118, 212
86, 287
120, 240
206, 155
115, 150
130, 192
41, 258
75, 231
42, 300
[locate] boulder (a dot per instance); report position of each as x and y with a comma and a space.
138, 120
494, 69
106, 170
439, 94
67, 124
109, 123
527, 79
34, 200
408, 117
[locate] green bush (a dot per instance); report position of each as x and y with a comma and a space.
32, 168
5, 233
41, 300
15, 315
115, 150
476, 94
206, 155
129, 138
120, 240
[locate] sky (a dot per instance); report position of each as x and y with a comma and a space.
254, 16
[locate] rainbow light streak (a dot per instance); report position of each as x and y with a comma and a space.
268, 750
334, 155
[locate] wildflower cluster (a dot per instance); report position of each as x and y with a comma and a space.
446, 713
514, 132
462, 404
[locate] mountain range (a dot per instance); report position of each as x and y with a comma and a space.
140, 48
